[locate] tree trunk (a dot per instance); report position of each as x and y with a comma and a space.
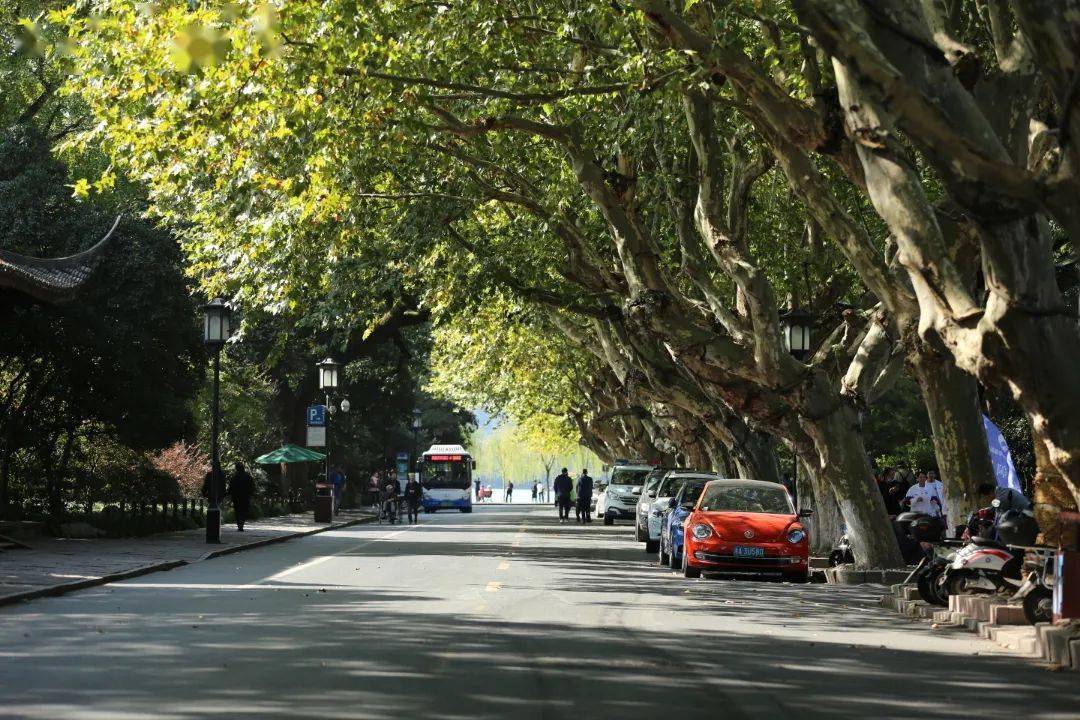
952, 401
1050, 492
756, 458
844, 466
826, 526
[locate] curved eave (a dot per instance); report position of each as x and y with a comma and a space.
51, 280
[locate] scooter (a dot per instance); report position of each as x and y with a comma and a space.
982, 566
990, 566
841, 554
1037, 591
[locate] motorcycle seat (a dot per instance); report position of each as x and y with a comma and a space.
987, 542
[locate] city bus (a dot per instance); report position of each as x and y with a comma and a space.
446, 477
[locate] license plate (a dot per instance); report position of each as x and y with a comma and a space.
744, 551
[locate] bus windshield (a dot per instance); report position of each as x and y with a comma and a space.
445, 475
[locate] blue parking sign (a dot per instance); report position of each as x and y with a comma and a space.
316, 416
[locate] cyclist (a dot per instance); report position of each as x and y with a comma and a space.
413, 495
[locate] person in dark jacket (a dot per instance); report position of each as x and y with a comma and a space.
413, 495
213, 491
241, 488
584, 496
563, 486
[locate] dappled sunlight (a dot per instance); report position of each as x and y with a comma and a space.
575, 620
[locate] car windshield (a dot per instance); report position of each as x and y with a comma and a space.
746, 498
672, 484
651, 485
692, 491
629, 476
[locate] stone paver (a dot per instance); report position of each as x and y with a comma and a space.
55, 561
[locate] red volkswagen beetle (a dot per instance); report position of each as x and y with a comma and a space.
746, 527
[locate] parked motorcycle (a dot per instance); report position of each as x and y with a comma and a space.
988, 565
1037, 591
841, 554
920, 536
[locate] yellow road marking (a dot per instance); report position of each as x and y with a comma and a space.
494, 586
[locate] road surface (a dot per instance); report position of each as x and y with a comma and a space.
504, 613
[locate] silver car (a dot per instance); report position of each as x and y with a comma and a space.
619, 498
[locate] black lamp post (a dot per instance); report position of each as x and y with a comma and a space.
415, 442
217, 328
328, 382
795, 324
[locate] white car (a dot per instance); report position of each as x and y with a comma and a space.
659, 502
619, 498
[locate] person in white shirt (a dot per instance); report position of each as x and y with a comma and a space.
923, 497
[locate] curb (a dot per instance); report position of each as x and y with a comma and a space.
282, 538
998, 622
65, 588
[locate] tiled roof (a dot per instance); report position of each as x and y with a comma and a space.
51, 279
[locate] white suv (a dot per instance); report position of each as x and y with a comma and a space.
619, 498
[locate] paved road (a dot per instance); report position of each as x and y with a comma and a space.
502, 613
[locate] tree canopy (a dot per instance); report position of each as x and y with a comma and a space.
622, 202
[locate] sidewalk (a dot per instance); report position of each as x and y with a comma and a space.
53, 566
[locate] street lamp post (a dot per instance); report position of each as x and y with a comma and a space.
217, 328
415, 441
328, 382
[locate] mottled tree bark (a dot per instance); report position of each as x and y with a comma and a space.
952, 402
826, 526
1051, 493
845, 467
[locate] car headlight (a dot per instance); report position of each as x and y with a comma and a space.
701, 531
796, 536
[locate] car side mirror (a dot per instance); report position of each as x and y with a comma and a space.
652, 493
671, 503
806, 512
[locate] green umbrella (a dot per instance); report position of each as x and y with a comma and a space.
289, 453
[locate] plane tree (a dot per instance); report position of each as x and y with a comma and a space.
638, 164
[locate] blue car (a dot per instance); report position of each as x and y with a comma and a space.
671, 526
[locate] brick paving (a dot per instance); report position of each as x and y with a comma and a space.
55, 561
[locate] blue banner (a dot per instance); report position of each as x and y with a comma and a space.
1000, 457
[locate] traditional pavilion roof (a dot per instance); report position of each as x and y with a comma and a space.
51, 280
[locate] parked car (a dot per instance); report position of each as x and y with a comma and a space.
666, 489
619, 498
746, 527
645, 500
671, 526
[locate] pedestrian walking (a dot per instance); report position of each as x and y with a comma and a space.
374, 488
337, 480
892, 492
509, 495
476, 484
535, 491
563, 487
584, 493
211, 490
413, 496
241, 488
